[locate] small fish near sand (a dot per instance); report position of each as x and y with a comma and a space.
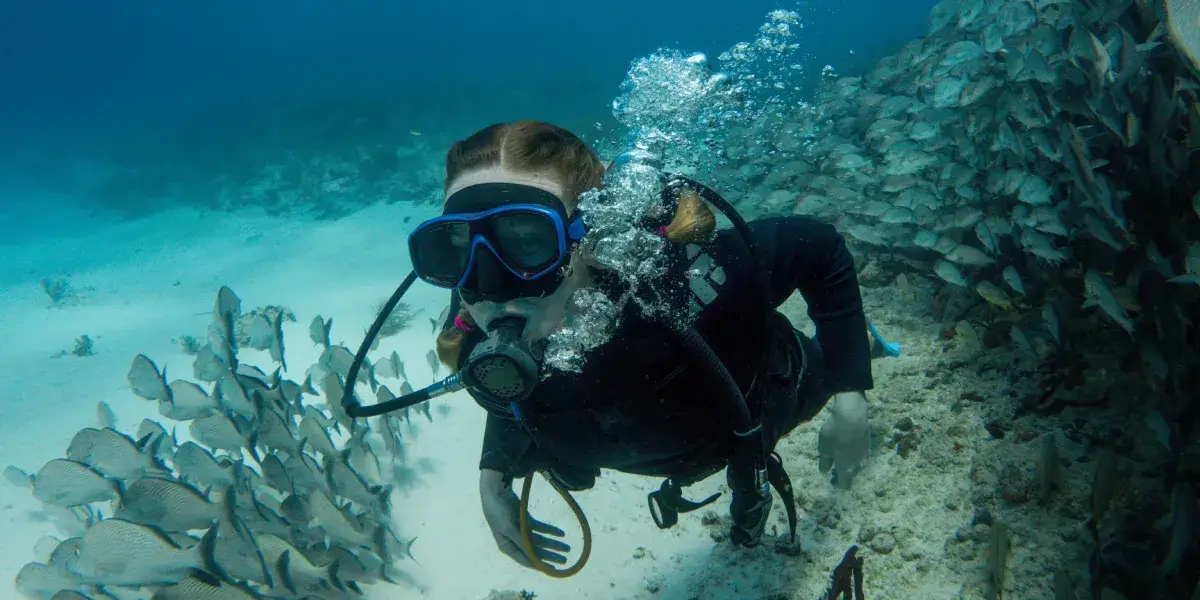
435, 365
286, 491
118, 552
68, 483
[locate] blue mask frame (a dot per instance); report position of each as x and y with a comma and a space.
566, 234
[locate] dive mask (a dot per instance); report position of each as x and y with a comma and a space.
496, 242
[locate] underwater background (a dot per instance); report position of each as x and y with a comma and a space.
204, 205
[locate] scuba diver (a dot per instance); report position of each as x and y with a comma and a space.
657, 397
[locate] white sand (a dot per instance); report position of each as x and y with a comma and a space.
146, 283
149, 282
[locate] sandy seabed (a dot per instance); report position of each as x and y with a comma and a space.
144, 284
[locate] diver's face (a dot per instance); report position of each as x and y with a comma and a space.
543, 314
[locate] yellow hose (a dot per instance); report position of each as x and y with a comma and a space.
527, 532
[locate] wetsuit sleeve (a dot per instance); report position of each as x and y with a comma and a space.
810, 256
505, 443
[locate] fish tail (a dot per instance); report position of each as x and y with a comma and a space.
283, 567
334, 578
208, 557
118, 488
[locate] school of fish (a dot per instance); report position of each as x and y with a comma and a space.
278, 493
1034, 155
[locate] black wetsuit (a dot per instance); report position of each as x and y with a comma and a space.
638, 408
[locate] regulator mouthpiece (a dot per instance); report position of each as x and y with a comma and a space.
503, 368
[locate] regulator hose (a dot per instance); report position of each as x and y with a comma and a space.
527, 531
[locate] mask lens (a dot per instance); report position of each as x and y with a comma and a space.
527, 241
441, 252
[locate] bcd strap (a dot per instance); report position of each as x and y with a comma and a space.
668, 502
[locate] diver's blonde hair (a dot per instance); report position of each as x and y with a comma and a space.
536, 146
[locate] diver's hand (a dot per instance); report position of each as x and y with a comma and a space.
845, 438
501, 508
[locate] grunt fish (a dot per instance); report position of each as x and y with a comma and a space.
119, 552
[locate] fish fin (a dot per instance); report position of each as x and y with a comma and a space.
385, 573
307, 387
208, 558
1089, 302
266, 569
408, 550
334, 578
143, 442
205, 577
283, 566
18, 477
118, 488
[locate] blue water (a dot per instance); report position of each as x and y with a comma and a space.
82, 77
176, 87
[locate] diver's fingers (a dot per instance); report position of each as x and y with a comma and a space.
546, 543
547, 528
514, 551
551, 557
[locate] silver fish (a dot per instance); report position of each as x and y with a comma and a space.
317, 436
154, 435
227, 310
276, 347
18, 478
344, 481
67, 483
207, 588
1013, 279
994, 295
274, 431
1050, 317
966, 332
147, 381
1099, 294
116, 456
293, 568
69, 595
198, 466
331, 386
231, 395
305, 472
275, 473
208, 366
169, 505
434, 364
188, 401
104, 415
296, 508
318, 331
236, 550
40, 580
261, 332
337, 359
337, 525
118, 552
219, 432
64, 551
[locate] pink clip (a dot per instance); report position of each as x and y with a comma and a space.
462, 325
661, 232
